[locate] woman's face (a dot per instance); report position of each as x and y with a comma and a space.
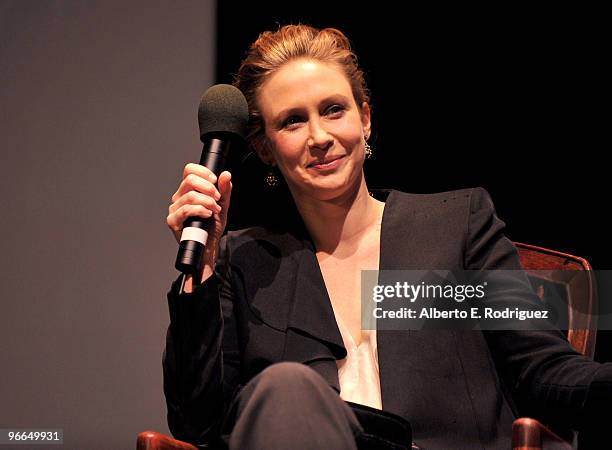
315, 131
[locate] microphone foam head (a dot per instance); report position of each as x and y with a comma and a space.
223, 108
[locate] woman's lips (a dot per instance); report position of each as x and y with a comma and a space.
327, 166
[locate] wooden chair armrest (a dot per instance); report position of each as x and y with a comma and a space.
152, 440
529, 434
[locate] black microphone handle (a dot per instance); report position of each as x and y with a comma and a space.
195, 233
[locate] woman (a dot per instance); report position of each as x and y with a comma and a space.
271, 297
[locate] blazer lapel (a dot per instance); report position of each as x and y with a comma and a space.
285, 290
311, 311
391, 344
312, 334
409, 360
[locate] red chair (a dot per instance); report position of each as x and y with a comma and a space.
152, 440
544, 267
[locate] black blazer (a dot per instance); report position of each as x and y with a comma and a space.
267, 303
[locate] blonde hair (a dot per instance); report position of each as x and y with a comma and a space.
272, 50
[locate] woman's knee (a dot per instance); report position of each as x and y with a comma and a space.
289, 373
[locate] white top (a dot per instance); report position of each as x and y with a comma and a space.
359, 373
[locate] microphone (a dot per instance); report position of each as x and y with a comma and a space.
223, 116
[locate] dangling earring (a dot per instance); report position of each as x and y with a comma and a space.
368, 150
271, 178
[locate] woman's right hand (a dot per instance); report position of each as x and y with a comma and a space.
198, 196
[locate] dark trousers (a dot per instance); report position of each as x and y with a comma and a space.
290, 406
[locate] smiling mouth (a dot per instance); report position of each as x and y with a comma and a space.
329, 163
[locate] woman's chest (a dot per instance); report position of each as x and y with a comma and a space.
342, 277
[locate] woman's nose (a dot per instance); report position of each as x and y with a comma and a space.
319, 137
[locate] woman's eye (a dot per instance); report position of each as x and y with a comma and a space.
335, 109
291, 120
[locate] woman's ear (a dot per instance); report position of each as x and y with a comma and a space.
365, 119
264, 153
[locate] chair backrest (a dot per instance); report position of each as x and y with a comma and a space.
546, 266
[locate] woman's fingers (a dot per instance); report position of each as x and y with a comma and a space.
176, 219
225, 188
197, 196
194, 182
202, 171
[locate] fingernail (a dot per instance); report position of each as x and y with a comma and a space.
212, 177
217, 195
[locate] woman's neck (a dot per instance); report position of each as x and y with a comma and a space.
339, 221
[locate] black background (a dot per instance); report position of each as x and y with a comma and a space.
513, 100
